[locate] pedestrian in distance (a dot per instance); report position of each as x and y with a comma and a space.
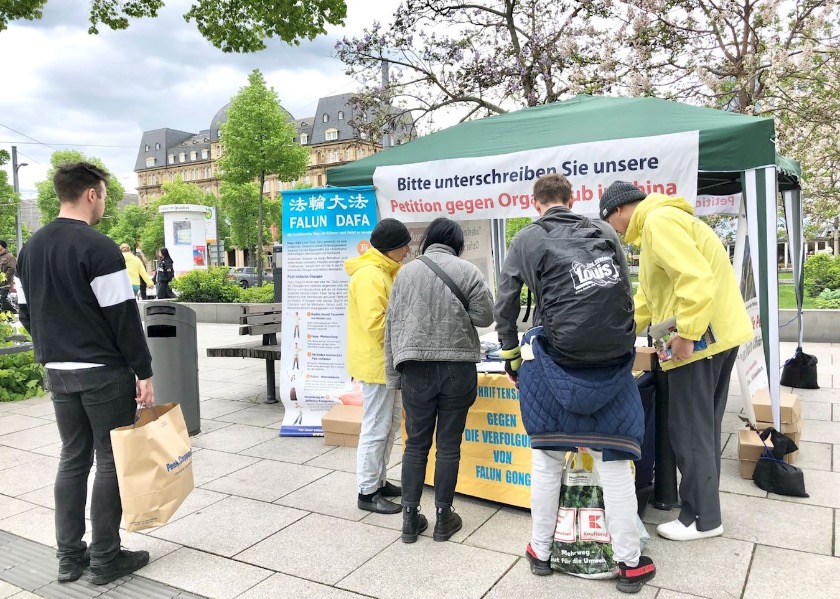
576, 389
143, 285
136, 270
164, 274
684, 273
371, 277
8, 266
77, 302
431, 349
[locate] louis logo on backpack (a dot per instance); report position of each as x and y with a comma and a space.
602, 273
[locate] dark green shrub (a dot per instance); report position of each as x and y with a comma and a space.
822, 271
206, 286
258, 295
828, 299
20, 374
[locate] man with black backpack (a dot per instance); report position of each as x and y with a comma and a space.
575, 383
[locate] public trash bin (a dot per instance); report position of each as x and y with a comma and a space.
171, 334
277, 271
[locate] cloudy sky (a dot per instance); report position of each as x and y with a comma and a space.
97, 94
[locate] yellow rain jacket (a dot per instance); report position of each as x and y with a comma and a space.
136, 270
684, 271
371, 277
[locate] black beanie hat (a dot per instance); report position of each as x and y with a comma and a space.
618, 194
389, 234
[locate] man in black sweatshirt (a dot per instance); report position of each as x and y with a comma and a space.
76, 300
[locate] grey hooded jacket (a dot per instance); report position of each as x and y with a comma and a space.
426, 322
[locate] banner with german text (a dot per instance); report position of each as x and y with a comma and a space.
501, 186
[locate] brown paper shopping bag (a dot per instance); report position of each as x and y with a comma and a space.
154, 466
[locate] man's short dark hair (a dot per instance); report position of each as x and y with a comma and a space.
73, 179
444, 231
552, 188
4, 244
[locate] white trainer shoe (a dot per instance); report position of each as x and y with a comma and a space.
677, 531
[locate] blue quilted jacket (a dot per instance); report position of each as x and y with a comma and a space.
566, 408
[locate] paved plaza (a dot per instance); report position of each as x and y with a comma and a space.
275, 517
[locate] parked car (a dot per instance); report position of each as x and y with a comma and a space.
246, 276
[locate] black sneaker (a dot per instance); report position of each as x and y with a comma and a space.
70, 568
631, 578
389, 489
539, 567
125, 563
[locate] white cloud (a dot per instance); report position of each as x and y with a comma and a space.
63, 86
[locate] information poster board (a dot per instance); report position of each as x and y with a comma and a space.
321, 229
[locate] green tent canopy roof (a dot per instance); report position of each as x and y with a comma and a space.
729, 142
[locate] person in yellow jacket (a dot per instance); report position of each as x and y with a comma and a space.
136, 269
684, 272
371, 277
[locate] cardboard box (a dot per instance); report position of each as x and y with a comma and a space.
645, 359
792, 430
750, 449
790, 408
342, 425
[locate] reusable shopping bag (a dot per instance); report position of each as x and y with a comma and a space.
582, 545
153, 459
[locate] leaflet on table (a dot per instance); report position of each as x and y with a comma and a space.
321, 229
661, 333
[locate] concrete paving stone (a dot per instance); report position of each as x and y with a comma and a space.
216, 374
37, 524
835, 412
197, 500
257, 415
714, 568
300, 549
821, 431
39, 410
814, 456
209, 425
429, 570
731, 423
7, 590
12, 423
45, 496
519, 582
344, 459
813, 410
234, 438
9, 506
141, 541
11, 457
266, 480
295, 450
229, 526
508, 531
823, 488
823, 395
53, 450
656, 517
731, 481
208, 465
25, 595
666, 594
204, 574
213, 408
837, 533
734, 403
777, 523
835, 459
240, 392
333, 495
32, 438
781, 572
28, 477
282, 586
825, 379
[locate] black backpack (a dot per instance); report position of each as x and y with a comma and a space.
585, 306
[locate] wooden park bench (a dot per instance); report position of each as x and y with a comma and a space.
257, 319
19, 345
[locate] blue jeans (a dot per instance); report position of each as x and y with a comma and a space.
380, 422
435, 394
89, 403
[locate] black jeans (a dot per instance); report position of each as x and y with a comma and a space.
435, 393
89, 403
163, 291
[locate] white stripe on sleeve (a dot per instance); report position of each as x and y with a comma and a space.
112, 289
21, 298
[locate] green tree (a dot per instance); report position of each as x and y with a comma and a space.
9, 202
258, 140
239, 205
48, 202
230, 25
129, 225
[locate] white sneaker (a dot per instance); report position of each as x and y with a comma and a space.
677, 531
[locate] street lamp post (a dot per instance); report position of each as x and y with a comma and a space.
15, 167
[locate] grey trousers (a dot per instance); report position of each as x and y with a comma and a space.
697, 400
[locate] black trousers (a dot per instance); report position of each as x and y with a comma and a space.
696, 403
435, 395
89, 403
